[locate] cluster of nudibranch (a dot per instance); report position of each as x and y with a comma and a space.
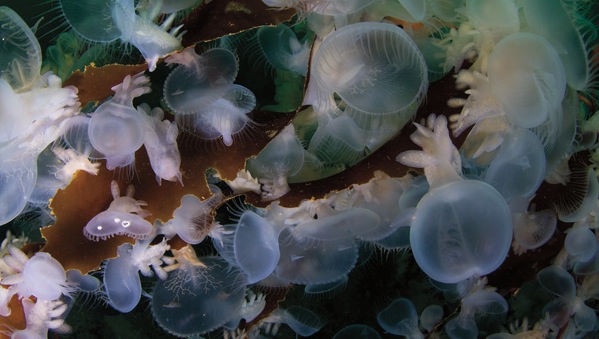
354, 73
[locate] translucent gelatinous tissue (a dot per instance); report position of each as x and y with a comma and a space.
362, 64
400, 318
303, 321
527, 77
478, 303
518, 169
280, 159
252, 246
40, 276
33, 111
192, 220
581, 244
357, 331
17, 182
306, 261
570, 34
160, 141
224, 118
86, 16
198, 297
121, 281
44, 277
199, 80
124, 216
282, 48
20, 52
121, 19
461, 228
201, 94
116, 128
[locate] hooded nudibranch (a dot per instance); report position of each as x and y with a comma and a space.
124, 216
462, 227
105, 21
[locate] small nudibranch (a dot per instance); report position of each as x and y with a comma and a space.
160, 141
116, 129
124, 216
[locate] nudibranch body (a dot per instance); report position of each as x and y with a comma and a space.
192, 220
400, 318
121, 274
199, 296
124, 216
34, 110
121, 19
251, 245
116, 128
160, 141
203, 97
280, 159
462, 228
40, 276
476, 303
283, 50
